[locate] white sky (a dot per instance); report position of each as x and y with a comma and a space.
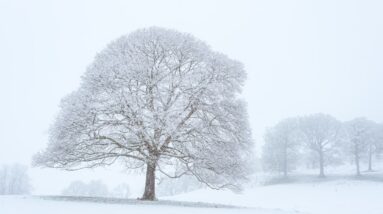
302, 57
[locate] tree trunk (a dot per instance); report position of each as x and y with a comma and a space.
370, 158
150, 185
357, 161
285, 163
321, 164
357, 166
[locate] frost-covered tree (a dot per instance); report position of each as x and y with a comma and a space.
14, 180
280, 152
321, 132
158, 99
359, 133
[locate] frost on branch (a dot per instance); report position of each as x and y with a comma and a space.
160, 99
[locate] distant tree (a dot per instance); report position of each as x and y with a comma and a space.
280, 151
360, 133
156, 98
14, 180
92, 189
321, 132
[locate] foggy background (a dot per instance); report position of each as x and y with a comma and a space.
301, 57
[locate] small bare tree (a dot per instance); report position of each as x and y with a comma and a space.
360, 133
281, 148
375, 143
160, 99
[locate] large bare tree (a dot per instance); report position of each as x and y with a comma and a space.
159, 99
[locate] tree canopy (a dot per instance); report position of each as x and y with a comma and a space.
161, 99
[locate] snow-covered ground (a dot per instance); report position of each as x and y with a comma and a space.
38, 205
340, 192
331, 196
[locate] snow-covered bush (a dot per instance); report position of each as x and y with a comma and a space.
168, 186
91, 189
121, 191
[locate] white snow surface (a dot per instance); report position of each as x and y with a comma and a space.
333, 195
39, 205
349, 196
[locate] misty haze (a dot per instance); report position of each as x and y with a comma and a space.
262, 107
